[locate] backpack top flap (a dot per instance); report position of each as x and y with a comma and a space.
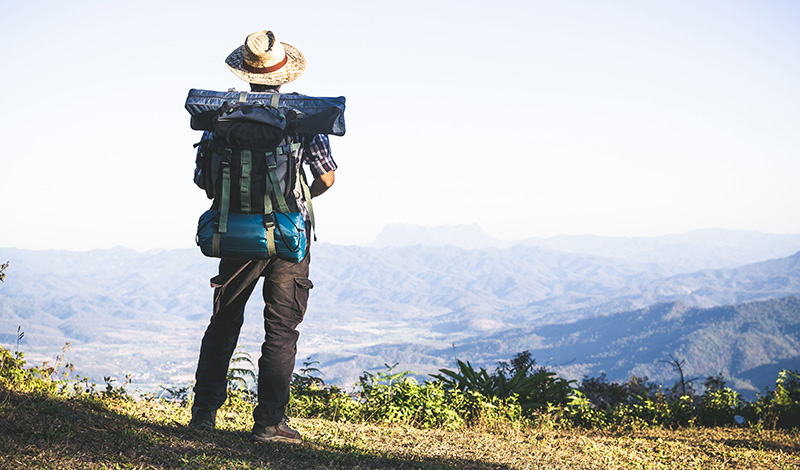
250, 126
318, 115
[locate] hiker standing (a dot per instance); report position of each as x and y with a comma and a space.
265, 64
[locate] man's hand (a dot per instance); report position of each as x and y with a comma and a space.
321, 184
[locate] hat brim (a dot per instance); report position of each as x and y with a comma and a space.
295, 65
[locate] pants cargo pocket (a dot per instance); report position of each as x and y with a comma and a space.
301, 287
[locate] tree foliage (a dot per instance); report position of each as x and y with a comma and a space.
532, 390
510, 396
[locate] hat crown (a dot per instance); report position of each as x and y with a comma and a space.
264, 60
262, 50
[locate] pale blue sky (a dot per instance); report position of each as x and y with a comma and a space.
529, 118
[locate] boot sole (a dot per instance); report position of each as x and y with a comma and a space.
294, 440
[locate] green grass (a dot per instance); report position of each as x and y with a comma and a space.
39, 429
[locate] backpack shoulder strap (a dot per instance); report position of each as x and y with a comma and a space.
246, 158
301, 180
273, 185
224, 206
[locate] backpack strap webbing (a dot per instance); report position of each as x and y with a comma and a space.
244, 180
224, 206
267, 198
275, 99
273, 186
269, 224
225, 200
301, 179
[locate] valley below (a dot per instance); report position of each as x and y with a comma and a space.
725, 302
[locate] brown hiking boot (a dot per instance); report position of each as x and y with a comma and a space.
280, 432
202, 419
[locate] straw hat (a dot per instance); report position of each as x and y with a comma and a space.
264, 60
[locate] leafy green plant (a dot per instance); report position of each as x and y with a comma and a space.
383, 382
307, 377
237, 374
603, 393
532, 390
512, 396
718, 407
16, 376
116, 391
312, 398
781, 407
179, 395
393, 397
20, 335
580, 411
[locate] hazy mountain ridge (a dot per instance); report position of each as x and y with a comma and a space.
144, 313
706, 288
460, 236
456, 279
532, 284
691, 251
96, 289
732, 339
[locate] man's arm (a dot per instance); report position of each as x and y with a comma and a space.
317, 154
322, 183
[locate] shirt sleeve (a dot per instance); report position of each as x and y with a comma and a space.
317, 155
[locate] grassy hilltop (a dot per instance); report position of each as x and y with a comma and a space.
50, 423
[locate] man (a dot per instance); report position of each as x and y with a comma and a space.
266, 64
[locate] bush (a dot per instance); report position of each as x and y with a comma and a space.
393, 397
53, 380
718, 407
14, 375
512, 395
426, 406
603, 393
326, 402
781, 406
532, 391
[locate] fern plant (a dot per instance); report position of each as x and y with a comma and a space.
240, 369
533, 390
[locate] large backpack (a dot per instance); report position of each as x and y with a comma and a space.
249, 168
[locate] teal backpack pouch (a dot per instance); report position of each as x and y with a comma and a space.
249, 236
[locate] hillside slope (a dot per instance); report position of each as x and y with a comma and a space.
126, 312
748, 343
38, 430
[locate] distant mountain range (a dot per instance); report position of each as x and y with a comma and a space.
419, 304
748, 343
699, 249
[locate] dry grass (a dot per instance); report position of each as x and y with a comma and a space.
40, 431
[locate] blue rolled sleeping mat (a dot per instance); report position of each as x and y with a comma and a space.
317, 115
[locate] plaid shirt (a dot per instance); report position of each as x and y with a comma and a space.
315, 152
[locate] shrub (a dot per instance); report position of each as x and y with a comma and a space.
781, 406
323, 401
512, 395
426, 406
603, 393
531, 391
580, 411
14, 374
718, 407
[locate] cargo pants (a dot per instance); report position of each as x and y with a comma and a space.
286, 289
